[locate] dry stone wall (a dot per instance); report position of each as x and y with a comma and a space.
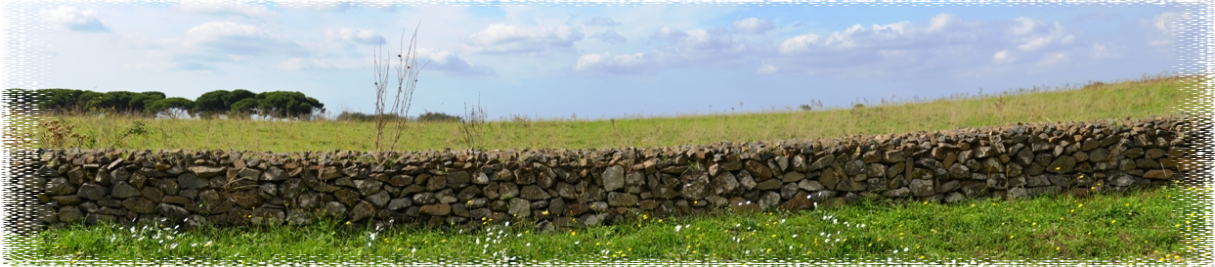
589, 187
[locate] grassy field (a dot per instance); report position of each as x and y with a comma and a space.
1156, 225
1114, 227
1134, 99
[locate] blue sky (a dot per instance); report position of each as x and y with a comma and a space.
607, 61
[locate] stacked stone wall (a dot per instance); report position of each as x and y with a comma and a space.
595, 186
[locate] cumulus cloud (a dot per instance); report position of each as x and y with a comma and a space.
529, 41
447, 62
940, 30
226, 9
601, 21
699, 40
317, 5
752, 26
361, 36
1167, 26
697, 46
1032, 34
942, 43
379, 4
229, 38
610, 36
73, 19
939, 45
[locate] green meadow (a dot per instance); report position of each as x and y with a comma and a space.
1150, 96
1135, 226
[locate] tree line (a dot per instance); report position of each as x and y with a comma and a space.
236, 103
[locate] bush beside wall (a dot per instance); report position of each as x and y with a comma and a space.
590, 187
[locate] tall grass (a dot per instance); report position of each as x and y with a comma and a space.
1150, 96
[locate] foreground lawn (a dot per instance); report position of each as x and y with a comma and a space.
1136, 226
1160, 96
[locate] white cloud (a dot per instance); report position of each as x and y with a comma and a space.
899, 35
449, 63
698, 46
766, 69
74, 19
799, 44
752, 26
1032, 35
1167, 26
533, 41
610, 36
233, 41
379, 4
602, 22
318, 5
699, 41
226, 9
942, 22
323, 64
669, 34
941, 44
362, 36
1003, 57
223, 29
620, 64
940, 30
1104, 51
